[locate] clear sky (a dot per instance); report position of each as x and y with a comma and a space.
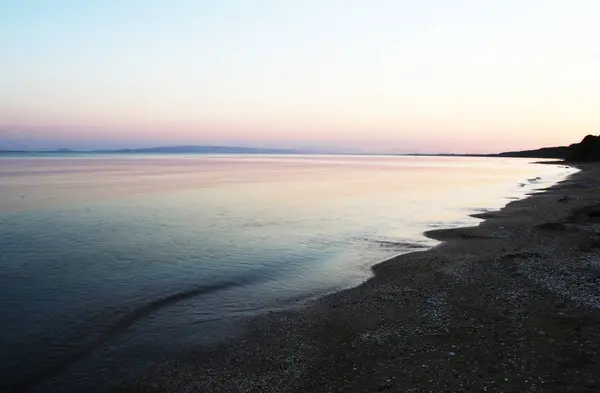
360, 75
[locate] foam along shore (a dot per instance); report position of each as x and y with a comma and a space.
510, 305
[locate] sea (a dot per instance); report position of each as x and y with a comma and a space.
111, 264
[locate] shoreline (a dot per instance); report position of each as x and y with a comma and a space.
508, 305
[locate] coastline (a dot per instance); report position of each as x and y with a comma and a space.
508, 305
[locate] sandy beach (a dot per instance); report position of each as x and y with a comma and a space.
510, 305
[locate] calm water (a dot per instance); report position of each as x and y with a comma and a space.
110, 263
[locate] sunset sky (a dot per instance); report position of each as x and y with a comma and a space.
341, 75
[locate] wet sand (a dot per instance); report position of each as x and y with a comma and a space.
512, 305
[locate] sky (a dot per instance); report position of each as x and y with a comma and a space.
382, 76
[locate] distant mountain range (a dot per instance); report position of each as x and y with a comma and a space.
587, 150
187, 149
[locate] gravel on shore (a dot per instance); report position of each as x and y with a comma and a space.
512, 305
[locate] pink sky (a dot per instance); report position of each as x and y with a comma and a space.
442, 76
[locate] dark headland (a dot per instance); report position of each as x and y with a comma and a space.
586, 150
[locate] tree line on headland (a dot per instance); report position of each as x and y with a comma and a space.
586, 150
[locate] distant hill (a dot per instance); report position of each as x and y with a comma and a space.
188, 149
559, 152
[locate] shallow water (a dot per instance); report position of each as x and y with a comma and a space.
114, 262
